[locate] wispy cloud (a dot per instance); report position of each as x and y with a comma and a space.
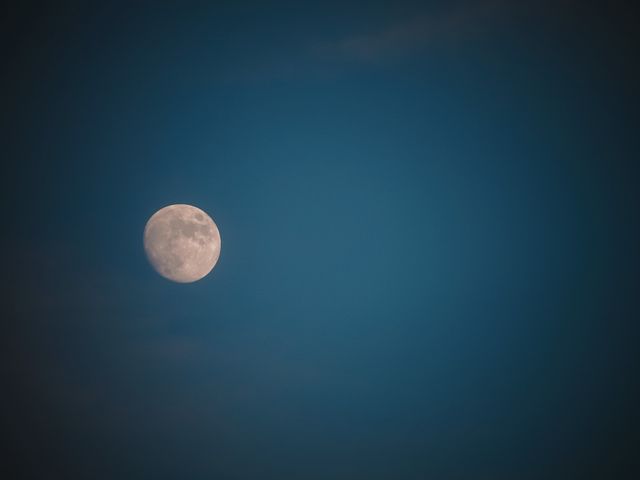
422, 31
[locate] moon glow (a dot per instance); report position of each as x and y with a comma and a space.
182, 243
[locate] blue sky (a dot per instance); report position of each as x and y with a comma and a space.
429, 241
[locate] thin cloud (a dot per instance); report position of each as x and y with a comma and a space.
421, 32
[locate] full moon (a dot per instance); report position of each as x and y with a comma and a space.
182, 243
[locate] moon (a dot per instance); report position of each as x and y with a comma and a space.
182, 243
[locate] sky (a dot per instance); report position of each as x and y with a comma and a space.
429, 264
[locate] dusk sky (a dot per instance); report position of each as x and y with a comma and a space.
430, 260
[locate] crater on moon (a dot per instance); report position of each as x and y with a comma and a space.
182, 243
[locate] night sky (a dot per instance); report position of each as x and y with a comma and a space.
430, 260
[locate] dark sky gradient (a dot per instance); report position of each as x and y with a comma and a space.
429, 217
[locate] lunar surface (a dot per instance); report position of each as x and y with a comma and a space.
182, 243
